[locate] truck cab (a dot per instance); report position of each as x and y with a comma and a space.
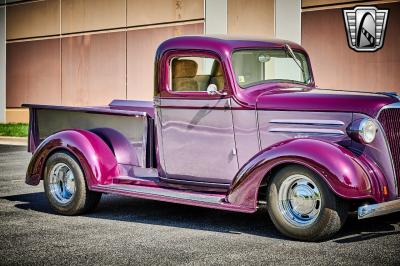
234, 123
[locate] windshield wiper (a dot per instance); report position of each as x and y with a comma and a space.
293, 56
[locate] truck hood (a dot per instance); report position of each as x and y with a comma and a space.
316, 99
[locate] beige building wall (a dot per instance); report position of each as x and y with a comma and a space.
88, 52
34, 19
337, 66
141, 48
33, 72
147, 12
93, 69
321, 3
92, 15
251, 17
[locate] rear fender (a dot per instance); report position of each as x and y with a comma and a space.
349, 176
123, 150
94, 155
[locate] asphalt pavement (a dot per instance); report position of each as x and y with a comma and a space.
131, 231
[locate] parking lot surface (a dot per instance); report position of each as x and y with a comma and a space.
138, 232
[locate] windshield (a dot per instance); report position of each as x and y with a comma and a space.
253, 67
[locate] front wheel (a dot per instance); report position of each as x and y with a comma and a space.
65, 186
302, 206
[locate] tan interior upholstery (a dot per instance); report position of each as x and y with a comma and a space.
183, 73
217, 75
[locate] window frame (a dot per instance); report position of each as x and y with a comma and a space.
166, 90
310, 82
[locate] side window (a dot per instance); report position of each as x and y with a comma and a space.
195, 73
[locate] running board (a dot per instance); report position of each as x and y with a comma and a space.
215, 201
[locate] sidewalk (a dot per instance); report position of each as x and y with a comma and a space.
16, 141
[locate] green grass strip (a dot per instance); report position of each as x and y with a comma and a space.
14, 130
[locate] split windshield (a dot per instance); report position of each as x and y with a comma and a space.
253, 67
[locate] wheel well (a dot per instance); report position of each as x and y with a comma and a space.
262, 190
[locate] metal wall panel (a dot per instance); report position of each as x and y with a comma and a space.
141, 48
33, 72
146, 12
93, 69
32, 19
251, 17
86, 15
335, 65
312, 3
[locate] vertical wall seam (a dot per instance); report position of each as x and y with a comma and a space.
275, 18
226, 18
61, 62
126, 49
301, 26
204, 15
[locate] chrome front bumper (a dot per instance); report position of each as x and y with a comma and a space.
368, 211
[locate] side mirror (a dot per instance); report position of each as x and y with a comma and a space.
213, 90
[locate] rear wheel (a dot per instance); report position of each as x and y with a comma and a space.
302, 206
65, 186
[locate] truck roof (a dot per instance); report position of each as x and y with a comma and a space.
222, 44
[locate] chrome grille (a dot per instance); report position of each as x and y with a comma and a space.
390, 121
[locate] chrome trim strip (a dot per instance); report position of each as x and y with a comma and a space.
308, 122
369, 211
194, 183
317, 131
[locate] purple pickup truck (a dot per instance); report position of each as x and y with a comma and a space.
235, 124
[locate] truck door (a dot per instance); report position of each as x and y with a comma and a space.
197, 129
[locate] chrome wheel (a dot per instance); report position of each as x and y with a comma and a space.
299, 200
62, 183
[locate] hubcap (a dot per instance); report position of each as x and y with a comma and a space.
62, 183
299, 200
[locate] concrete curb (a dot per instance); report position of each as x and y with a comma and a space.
16, 141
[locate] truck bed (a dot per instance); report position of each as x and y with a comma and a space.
134, 119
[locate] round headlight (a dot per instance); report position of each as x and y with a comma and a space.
367, 130
363, 130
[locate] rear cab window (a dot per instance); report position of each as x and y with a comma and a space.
195, 74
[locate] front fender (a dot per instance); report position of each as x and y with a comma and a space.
348, 175
95, 157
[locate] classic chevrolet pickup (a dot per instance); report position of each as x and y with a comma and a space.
235, 124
